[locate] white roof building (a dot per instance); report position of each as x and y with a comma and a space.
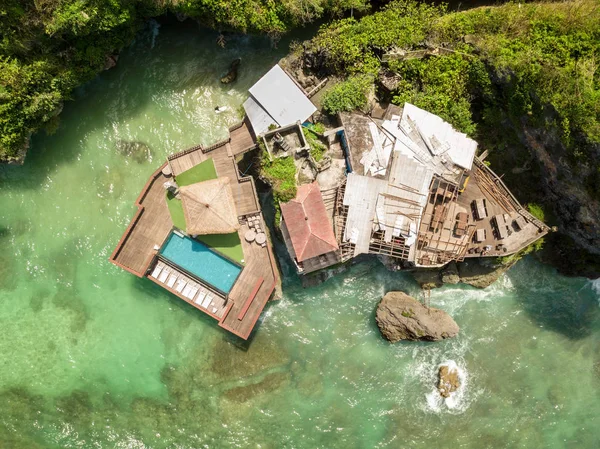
276, 100
391, 193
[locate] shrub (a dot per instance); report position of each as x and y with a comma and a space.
317, 148
280, 173
536, 210
348, 95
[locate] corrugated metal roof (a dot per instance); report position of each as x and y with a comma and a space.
280, 98
405, 197
259, 118
361, 196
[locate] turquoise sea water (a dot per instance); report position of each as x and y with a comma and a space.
92, 357
198, 259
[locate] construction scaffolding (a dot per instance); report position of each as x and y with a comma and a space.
340, 215
437, 241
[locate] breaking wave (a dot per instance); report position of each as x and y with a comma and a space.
457, 401
596, 287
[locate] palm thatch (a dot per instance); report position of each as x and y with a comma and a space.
209, 207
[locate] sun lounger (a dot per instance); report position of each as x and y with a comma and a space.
180, 285
200, 297
186, 291
172, 280
214, 310
157, 270
192, 293
207, 301
163, 275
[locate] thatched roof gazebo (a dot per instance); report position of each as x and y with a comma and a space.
209, 207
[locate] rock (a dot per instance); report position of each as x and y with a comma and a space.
428, 277
448, 381
111, 61
138, 151
479, 273
450, 274
233, 72
401, 317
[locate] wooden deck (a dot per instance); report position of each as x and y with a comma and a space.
260, 268
242, 139
443, 245
149, 227
136, 253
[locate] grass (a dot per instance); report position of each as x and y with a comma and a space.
280, 174
201, 172
537, 211
227, 244
176, 211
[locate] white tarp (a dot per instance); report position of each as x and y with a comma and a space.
458, 146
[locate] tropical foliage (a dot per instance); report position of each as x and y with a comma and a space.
348, 95
49, 47
536, 61
490, 71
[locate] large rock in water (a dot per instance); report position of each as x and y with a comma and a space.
449, 381
233, 72
401, 317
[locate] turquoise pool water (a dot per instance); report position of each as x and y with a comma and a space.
198, 259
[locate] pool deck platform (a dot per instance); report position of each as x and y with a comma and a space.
137, 251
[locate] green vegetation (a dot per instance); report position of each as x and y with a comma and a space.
348, 95
227, 244
201, 172
408, 313
280, 173
532, 248
318, 128
176, 211
49, 47
317, 148
500, 67
536, 210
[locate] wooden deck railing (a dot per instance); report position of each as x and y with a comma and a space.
216, 145
184, 152
133, 222
508, 194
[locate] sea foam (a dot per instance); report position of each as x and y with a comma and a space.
595, 283
457, 400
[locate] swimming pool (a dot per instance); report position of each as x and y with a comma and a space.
199, 260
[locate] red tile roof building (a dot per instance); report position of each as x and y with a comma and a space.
306, 225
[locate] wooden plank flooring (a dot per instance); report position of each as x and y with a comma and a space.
191, 159
259, 264
152, 224
241, 140
136, 249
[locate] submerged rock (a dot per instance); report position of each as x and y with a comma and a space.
138, 151
111, 61
448, 380
233, 72
401, 317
